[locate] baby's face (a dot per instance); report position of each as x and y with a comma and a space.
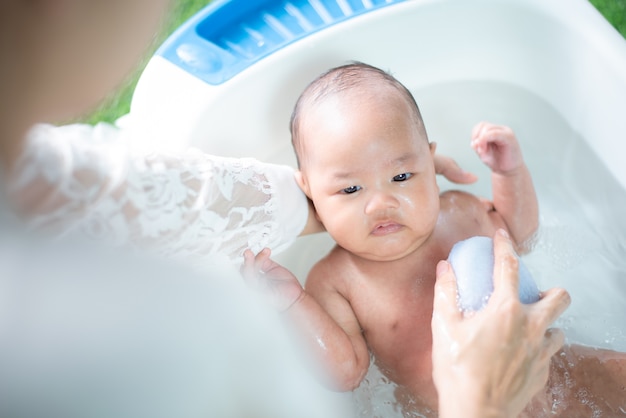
370, 174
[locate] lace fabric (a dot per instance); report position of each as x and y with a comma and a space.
79, 179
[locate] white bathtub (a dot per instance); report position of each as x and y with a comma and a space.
553, 70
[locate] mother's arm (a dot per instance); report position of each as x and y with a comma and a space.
86, 180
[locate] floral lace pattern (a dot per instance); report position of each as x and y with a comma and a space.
80, 179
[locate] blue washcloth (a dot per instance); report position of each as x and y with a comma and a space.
472, 262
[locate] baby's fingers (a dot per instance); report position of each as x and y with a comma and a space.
479, 129
263, 263
491, 132
486, 134
253, 266
248, 269
248, 260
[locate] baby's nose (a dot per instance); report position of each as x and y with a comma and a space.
381, 201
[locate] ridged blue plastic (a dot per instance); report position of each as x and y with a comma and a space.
228, 36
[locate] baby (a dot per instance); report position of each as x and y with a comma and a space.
367, 165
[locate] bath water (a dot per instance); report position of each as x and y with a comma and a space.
581, 244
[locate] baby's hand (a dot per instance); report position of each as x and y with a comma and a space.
276, 282
497, 147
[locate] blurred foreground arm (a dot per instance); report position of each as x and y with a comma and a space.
89, 181
492, 363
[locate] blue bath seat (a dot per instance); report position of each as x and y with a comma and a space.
228, 36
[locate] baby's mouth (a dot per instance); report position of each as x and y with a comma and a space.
386, 228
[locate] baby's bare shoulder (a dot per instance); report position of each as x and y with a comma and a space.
330, 272
457, 197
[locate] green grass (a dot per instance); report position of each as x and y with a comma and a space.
119, 102
614, 11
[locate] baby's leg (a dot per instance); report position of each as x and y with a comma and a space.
585, 382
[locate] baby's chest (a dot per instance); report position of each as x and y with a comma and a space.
396, 322
399, 337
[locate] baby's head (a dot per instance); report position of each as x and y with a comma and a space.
365, 161
358, 81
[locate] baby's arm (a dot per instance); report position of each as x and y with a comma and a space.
328, 329
513, 191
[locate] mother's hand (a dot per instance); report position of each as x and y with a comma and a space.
491, 363
448, 168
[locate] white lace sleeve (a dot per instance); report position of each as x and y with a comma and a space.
83, 179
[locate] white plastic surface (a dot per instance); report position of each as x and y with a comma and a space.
562, 50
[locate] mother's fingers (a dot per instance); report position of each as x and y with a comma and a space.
506, 266
553, 342
552, 304
449, 168
445, 301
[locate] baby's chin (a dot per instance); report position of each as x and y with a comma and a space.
386, 253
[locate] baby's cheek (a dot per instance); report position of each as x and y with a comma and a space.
339, 225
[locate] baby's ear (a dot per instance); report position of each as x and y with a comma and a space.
433, 148
302, 183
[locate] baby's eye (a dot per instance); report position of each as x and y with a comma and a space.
402, 177
351, 189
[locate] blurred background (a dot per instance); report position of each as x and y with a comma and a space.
118, 103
